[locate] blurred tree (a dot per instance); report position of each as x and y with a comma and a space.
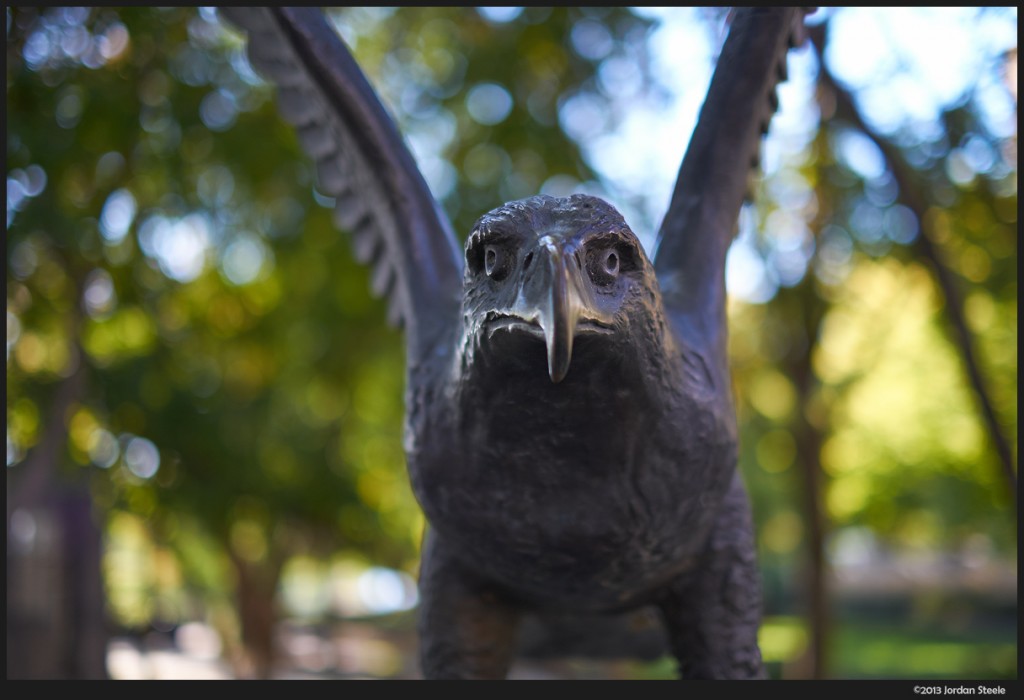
892, 231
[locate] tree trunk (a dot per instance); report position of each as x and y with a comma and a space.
808, 446
56, 621
256, 597
807, 307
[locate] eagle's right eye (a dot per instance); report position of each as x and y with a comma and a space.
496, 262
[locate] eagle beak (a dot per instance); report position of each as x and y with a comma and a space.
561, 312
553, 295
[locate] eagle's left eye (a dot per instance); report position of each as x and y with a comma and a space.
604, 265
611, 263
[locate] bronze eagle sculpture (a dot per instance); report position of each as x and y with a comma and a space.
570, 433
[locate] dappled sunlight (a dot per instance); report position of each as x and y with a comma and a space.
782, 639
907, 398
771, 393
782, 533
905, 414
179, 246
776, 451
488, 103
125, 333
933, 66
117, 215
22, 428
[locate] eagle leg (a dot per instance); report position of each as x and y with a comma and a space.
467, 628
712, 613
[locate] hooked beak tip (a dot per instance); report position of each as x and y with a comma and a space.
559, 354
557, 374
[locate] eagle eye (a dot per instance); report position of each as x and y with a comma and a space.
611, 263
496, 262
604, 265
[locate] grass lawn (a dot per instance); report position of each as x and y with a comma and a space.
864, 650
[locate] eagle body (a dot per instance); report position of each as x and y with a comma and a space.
574, 494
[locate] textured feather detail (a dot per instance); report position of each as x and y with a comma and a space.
365, 245
318, 141
395, 313
331, 177
276, 69
351, 213
245, 18
381, 199
382, 279
299, 106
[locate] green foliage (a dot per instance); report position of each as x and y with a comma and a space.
241, 379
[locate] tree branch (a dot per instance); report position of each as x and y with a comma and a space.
911, 196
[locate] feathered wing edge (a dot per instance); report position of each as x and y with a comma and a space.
396, 226
715, 173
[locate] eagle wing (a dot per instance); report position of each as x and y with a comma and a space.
713, 179
381, 198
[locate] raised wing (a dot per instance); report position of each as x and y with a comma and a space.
380, 196
713, 179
